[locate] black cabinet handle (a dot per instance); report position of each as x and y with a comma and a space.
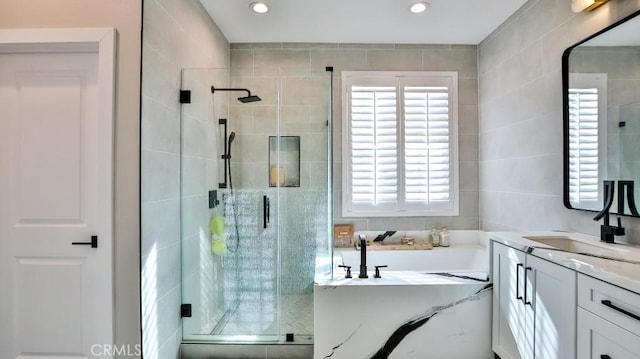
93, 243
605, 356
518, 266
618, 309
526, 302
266, 208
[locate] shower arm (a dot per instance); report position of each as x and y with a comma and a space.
246, 99
214, 89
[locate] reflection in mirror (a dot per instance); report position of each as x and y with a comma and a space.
601, 81
587, 143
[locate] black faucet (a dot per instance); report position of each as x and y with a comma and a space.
627, 186
607, 232
363, 256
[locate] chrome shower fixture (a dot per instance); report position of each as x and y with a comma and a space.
246, 99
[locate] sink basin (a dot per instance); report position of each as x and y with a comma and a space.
623, 253
570, 245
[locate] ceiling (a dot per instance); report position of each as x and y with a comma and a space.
361, 21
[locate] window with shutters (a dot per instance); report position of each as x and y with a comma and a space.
399, 144
587, 138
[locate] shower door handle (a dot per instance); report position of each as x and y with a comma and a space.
266, 208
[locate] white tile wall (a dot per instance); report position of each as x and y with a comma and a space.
520, 140
177, 34
304, 85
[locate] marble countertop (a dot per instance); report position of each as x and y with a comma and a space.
618, 264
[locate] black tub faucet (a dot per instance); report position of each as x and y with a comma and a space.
362, 239
607, 232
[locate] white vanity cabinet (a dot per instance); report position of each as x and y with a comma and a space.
608, 321
534, 306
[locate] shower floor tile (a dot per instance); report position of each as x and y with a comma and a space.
297, 314
251, 318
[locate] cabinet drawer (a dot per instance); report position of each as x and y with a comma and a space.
619, 306
599, 339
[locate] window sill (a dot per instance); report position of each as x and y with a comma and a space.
365, 214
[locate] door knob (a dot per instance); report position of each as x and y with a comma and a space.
93, 243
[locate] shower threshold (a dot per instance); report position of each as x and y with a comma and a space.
299, 339
246, 351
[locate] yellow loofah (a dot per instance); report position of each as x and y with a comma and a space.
216, 225
218, 247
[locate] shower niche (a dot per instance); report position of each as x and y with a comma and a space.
284, 161
248, 263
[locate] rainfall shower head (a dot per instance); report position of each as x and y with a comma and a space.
246, 99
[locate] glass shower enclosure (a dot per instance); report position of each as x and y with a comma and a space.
255, 205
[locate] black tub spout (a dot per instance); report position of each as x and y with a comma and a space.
363, 256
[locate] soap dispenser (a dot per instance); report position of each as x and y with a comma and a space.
444, 237
434, 237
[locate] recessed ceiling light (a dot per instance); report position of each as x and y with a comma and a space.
418, 7
259, 7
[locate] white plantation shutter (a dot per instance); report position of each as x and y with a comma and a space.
583, 144
374, 144
586, 116
426, 144
398, 154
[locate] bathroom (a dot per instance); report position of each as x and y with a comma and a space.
506, 183
510, 128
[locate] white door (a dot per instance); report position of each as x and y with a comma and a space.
56, 298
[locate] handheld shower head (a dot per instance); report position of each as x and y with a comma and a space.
232, 136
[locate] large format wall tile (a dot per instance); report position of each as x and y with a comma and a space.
177, 35
520, 140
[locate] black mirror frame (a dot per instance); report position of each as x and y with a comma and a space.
565, 111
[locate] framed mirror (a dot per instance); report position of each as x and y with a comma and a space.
601, 118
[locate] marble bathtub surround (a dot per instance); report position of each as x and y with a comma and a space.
483, 277
411, 325
428, 320
439, 298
